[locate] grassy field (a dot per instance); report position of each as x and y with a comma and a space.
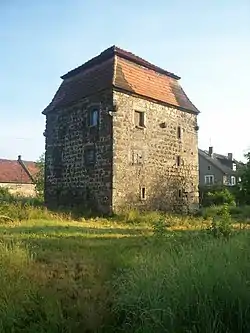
122, 275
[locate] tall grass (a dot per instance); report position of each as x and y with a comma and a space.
146, 278
26, 306
17, 292
19, 211
200, 287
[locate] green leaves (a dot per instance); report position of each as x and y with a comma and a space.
39, 179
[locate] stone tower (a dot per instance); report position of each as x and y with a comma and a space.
121, 132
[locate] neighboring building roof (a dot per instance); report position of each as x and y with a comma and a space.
12, 171
123, 70
215, 161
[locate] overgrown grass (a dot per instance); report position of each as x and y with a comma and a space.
64, 280
202, 286
138, 272
23, 307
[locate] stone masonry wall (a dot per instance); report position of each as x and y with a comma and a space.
69, 180
145, 160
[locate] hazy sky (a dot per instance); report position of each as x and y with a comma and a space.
206, 42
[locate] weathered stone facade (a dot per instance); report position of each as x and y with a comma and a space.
111, 143
69, 181
160, 145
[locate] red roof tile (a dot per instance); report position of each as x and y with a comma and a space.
129, 73
12, 172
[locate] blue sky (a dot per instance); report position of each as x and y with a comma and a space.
207, 43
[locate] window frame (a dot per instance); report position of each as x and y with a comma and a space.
209, 183
234, 182
142, 116
178, 160
143, 193
86, 151
179, 133
92, 110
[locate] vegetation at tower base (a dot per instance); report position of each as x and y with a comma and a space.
134, 272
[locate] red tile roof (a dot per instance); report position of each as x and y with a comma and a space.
11, 171
123, 70
149, 83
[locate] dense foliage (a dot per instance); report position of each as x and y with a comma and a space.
216, 195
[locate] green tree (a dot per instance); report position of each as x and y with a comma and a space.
39, 179
244, 185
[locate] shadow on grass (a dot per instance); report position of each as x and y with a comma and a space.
107, 244
49, 242
69, 230
73, 240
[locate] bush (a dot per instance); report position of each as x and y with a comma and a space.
221, 224
216, 196
5, 195
236, 212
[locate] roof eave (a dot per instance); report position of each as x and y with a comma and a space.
157, 101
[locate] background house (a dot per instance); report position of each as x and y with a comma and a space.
18, 176
217, 169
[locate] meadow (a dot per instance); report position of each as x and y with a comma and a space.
131, 273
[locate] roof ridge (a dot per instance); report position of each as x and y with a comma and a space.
25, 168
11, 160
111, 52
215, 161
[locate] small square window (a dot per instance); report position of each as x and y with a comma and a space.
179, 132
178, 160
139, 119
89, 156
234, 167
143, 193
209, 167
93, 117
